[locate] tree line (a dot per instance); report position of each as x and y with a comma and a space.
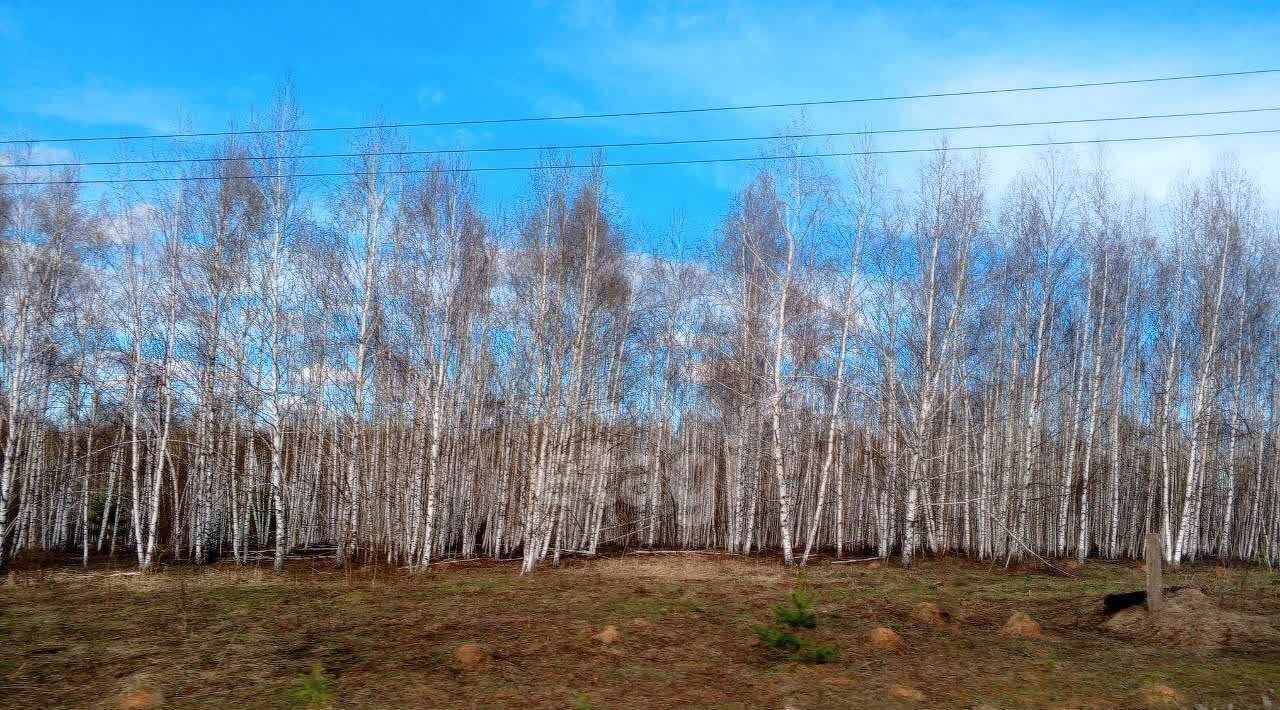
252, 362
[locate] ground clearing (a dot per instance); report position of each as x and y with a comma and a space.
372, 637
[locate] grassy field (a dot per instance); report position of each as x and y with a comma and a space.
374, 637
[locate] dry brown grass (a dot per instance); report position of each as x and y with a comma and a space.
687, 567
237, 638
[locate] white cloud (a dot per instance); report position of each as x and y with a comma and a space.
1147, 166
121, 228
29, 154
672, 57
102, 103
430, 96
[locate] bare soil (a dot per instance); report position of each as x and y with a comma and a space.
223, 636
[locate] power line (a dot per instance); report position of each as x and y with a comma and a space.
648, 163
638, 144
659, 112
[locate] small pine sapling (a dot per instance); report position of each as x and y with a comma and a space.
781, 640
799, 613
312, 691
791, 620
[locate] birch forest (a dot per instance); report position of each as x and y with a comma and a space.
249, 362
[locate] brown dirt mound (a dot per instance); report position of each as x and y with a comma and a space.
1189, 619
140, 693
140, 699
1159, 696
884, 638
608, 635
1020, 625
904, 693
933, 615
470, 655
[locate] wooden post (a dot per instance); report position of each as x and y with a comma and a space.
1155, 577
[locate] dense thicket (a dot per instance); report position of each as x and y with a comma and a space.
237, 367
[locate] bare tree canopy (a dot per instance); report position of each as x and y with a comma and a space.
251, 363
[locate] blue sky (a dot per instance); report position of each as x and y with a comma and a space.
100, 68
